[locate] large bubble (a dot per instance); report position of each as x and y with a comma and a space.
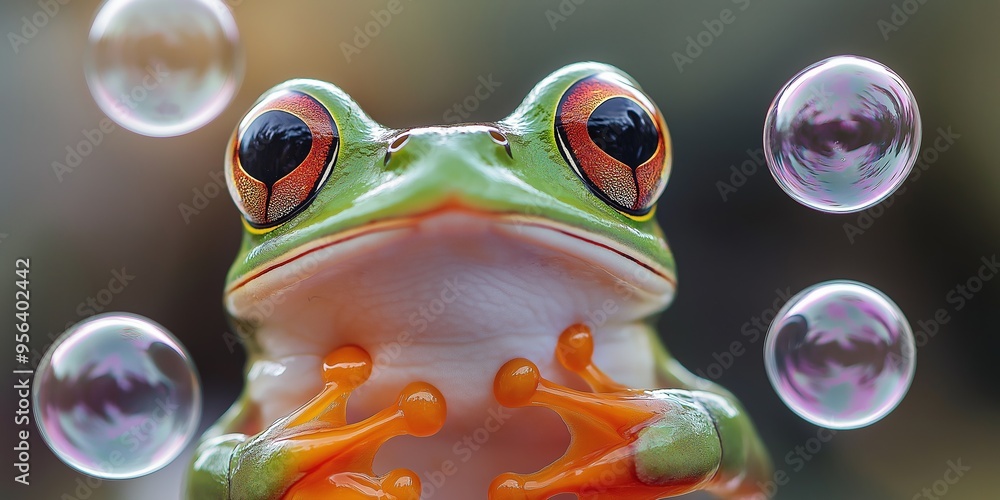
842, 134
840, 354
117, 396
163, 67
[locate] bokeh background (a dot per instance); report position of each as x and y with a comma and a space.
120, 207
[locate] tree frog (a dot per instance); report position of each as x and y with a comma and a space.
484, 295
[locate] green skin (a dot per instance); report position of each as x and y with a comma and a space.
428, 172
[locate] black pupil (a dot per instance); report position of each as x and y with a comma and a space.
273, 145
623, 130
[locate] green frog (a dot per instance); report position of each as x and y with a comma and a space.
482, 293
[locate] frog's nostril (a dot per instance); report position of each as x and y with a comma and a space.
399, 142
498, 137
396, 145
501, 139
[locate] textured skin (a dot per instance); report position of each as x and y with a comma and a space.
683, 447
633, 189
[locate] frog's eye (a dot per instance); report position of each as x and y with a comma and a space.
284, 151
615, 139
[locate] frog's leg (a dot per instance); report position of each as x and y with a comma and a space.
627, 443
746, 461
314, 452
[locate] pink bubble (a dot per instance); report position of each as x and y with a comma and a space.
842, 135
117, 396
840, 354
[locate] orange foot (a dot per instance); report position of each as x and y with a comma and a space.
332, 458
625, 443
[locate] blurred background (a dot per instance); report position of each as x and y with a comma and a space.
120, 207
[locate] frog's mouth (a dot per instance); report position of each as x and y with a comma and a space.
448, 276
635, 273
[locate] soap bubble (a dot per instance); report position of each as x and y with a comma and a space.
117, 396
842, 134
840, 354
163, 67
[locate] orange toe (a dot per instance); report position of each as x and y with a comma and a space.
605, 425
336, 458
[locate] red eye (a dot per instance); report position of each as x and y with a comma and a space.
615, 139
284, 151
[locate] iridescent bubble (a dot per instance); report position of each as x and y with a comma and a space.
842, 134
840, 354
117, 396
163, 67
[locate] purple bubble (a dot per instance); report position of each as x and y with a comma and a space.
840, 354
117, 396
842, 134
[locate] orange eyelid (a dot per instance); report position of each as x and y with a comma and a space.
632, 191
264, 205
249, 193
295, 188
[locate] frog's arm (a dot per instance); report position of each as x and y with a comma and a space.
209, 471
314, 452
629, 443
227, 450
745, 460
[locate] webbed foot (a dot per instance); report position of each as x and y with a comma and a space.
625, 443
315, 453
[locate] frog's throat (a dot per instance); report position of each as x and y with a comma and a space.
644, 280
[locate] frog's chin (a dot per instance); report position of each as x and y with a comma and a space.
468, 274
642, 280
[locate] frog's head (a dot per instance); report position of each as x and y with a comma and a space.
572, 175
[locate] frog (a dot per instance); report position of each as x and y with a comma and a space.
469, 308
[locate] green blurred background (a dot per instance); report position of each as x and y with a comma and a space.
120, 207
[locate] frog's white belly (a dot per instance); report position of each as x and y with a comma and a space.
448, 301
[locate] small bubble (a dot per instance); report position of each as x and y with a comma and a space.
842, 134
117, 396
840, 354
163, 67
